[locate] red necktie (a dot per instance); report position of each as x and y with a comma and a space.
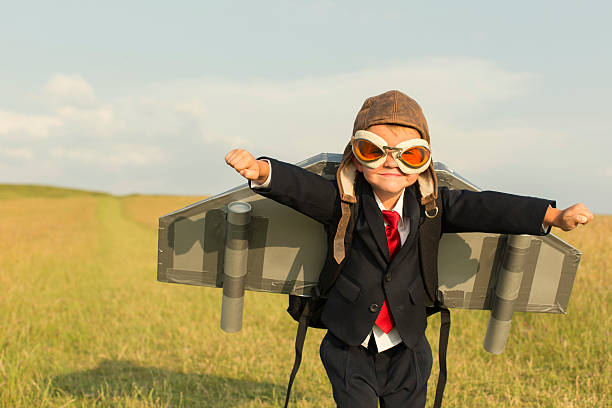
384, 319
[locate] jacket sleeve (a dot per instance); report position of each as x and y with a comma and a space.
494, 212
302, 190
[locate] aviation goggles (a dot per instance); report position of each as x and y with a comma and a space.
412, 156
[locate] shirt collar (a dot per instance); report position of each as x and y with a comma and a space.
399, 206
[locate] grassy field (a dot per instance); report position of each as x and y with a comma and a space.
84, 323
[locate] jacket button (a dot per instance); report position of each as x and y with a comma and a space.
388, 277
374, 308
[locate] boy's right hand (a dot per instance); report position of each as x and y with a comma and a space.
244, 163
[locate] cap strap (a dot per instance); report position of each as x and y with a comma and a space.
339, 252
341, 232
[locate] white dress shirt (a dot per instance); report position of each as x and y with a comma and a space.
383, 340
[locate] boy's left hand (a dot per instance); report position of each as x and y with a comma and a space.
569, 218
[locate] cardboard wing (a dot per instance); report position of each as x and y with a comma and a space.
284, 252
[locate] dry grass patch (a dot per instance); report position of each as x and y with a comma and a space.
85, 324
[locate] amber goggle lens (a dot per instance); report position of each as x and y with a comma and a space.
415, 156
367, 151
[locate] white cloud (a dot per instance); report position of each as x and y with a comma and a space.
17, 125
472, 150
72, 89
314, 111
22, 153
130, 155
89, 122
445, 86
292, 119
177, 132
193, 107
104, 115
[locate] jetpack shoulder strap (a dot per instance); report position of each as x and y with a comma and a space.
299, 346
442, 348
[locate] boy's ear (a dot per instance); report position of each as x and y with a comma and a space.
357, 165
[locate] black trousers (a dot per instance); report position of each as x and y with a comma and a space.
360, 378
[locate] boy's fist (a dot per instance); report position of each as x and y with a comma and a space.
569, 218
572, 216
244, 163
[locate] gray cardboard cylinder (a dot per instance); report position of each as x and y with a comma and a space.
519, 241
235, 265
239, 213
508, 287
497, 335
506, 292
231, 314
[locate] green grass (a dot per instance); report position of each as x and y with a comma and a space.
84, 323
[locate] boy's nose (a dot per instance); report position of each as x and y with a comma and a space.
390, 161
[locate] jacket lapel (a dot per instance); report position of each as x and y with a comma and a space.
412, 210
375, 221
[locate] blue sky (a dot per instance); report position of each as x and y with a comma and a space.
148, 97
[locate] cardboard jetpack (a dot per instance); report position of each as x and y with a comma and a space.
239, 240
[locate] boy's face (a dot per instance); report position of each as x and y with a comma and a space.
387, 180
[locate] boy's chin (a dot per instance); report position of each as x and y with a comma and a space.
396, 185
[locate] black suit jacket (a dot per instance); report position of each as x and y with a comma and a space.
368, 276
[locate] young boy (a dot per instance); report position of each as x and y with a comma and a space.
386, 188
